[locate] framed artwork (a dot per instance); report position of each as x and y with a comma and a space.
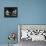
10, 11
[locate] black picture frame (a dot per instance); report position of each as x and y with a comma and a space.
10, 11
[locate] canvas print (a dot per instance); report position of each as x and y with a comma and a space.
33, 32
10, 11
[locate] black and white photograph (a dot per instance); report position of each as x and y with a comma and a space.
10, 11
